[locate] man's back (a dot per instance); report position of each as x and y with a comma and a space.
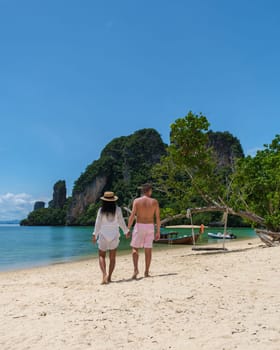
145, 209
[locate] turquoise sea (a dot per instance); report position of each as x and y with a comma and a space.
24, 247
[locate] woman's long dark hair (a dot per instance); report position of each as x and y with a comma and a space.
108, 208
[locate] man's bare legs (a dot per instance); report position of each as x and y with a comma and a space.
148, 259
102, 264
112, 257
135, 257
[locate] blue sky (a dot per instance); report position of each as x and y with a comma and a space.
75, 74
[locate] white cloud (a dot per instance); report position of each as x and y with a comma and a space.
15, 206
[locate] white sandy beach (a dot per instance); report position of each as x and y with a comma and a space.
193, 301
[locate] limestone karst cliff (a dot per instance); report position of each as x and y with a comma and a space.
59, 195
124, 164
39, 205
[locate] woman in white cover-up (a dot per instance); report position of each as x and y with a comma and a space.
106, 232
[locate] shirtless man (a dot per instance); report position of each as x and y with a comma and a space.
146, 210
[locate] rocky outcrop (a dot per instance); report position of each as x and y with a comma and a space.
226, 147
59, 195
39, 205
80, 200
124, 164
55, 214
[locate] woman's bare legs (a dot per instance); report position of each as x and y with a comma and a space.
112, 257
102, 264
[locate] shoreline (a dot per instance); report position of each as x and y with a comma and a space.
43, 247
125, 252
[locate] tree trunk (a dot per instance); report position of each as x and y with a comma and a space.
178, 216
274, 235
244, 214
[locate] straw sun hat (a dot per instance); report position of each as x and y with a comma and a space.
109, 197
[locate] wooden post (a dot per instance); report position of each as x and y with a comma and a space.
193, 235
225, 228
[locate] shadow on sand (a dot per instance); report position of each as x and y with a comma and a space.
141, 278
215, 252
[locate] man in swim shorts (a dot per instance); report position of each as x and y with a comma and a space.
146, 211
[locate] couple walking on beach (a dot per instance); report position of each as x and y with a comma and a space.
109, 219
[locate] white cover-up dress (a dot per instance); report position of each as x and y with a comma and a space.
107, 231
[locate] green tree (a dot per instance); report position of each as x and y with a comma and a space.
45, 217
188, 173
191, 174
198, 166
256, 184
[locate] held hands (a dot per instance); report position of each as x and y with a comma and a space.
128, 234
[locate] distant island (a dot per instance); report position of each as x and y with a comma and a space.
9, 222
124, 164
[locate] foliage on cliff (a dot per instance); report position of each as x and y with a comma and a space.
45, 217
126, 162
